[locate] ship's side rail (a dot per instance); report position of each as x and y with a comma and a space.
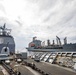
8, 68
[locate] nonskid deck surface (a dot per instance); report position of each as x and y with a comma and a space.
25, 70
17, 67
51, 69
46, 67
3, 71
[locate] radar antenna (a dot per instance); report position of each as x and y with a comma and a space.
4, 30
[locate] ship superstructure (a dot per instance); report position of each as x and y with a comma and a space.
7, 44
38, 45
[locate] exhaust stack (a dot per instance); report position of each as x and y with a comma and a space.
48, 42
65, 40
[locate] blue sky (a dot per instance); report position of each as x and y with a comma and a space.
41, 18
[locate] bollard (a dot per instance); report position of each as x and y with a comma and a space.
39, 70
42, 72
35, 68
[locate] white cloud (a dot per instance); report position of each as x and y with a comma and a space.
42, 18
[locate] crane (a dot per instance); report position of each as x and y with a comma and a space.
58, 41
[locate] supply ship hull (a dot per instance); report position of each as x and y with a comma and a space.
36, 46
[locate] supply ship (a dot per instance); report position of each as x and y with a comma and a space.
46, 62
7, 44
38, 45
61, 55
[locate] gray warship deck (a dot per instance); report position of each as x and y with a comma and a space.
52, 69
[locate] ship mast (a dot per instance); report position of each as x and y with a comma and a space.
4, 30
